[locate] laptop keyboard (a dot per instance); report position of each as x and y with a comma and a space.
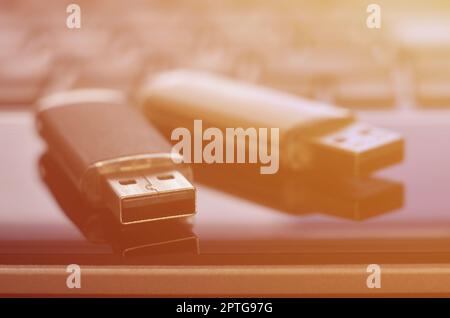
317, 49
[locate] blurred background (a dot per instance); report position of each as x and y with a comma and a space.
318, 49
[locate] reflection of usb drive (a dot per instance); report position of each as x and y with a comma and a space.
312, 135
172, 236
114, 157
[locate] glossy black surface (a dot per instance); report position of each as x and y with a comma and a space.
401, 214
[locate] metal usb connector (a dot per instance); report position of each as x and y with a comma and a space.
160, 196
356, 149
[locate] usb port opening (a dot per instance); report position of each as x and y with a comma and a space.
150, 197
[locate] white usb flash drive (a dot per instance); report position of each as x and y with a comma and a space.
312, 135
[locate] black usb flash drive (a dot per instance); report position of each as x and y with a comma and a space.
114, 157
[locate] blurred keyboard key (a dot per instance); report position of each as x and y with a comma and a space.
433, 92
421, 36
11, 41
431, 65
288, 79
22, 78
375, 93
62, 77
77, 44
331, 63
215, 60
116, 72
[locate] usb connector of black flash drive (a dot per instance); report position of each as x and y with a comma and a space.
150, 196
114, 156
